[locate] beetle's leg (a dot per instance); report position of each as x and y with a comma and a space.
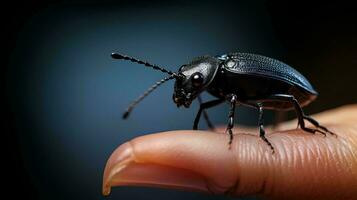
316, 123
261, 127
299, 112
205, 106
302, 116
205, 114
233, 102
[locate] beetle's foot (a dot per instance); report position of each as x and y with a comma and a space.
326, 130
313, 131
230, 132
317, 125
211, 127
268, 143
195, 127
209, 124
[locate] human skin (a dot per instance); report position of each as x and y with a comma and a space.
304, 165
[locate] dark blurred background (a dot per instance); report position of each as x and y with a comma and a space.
64, 95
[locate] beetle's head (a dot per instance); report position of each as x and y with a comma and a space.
191, 79
194, 78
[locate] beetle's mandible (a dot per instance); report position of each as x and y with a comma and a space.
240, 79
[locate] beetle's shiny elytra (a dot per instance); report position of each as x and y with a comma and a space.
239, 78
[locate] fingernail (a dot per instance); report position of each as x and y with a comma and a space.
119, 159
122, 169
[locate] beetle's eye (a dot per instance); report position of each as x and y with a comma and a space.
197, 79
181, 68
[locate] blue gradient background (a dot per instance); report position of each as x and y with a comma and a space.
69, 94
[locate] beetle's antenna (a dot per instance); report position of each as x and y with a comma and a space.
146, 93
125, 57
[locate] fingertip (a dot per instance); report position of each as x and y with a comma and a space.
301, 165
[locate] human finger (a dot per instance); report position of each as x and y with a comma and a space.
304, 165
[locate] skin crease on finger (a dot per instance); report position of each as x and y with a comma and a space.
304, 166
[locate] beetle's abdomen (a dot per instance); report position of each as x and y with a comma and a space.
252, 64
253, 88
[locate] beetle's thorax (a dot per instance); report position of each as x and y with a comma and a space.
195, 78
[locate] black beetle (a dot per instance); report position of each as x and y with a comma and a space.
239, 78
